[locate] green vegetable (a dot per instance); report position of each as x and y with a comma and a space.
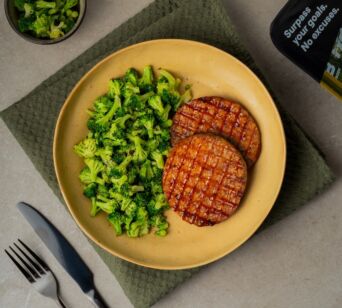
90, 190
89, 173
86, 148
46, 19
45, 4
126, 147
29, 9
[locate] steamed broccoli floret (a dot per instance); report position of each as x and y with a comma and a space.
105, 154
141, 225
128, 206
170, 79
140, 154
104, 121
56, 31
25, 24
160, 223
132, 76
121, 169
162, 85
94, 127
41, 26
146, 81
29, 9
158, 158
187, 95
142, 199
163, 112
135, 102
117, 220
164, 117
146, 171
161, 202
152, 144
132, 174
115, 142
167, 89
158, 175
115, 87
172, 98
156, 186
164, 147
114, 132
68, 24
130, 89
70, 4
90, 190
94, 208
118, 181
136, 188
157, 204
145, 97
132, 103
166, 124
69, 13
118, 158
116, 195
103, 178
102, 105
102, 191
86, 148
177, 100
127, 222
157, 105
165, 135
86, 177
106, 205
148, 122
89, 173
120, 121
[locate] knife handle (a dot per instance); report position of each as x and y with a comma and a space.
95, 297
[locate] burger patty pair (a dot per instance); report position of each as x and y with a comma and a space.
214, 142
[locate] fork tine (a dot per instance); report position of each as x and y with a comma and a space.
32, 271
23, 271
33, 263
39, 260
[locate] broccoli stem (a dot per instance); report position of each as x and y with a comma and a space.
45, 5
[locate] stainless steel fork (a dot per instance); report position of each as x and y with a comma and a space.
36, 271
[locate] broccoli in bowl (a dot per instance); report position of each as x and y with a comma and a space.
125, 150
46, 19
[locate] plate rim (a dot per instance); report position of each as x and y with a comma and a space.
146, 263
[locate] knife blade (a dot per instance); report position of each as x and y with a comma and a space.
62, 250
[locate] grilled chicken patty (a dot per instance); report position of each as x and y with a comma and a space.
219, 116
204, 179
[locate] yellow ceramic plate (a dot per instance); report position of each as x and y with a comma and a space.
211, 72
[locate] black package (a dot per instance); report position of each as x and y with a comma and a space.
309, 32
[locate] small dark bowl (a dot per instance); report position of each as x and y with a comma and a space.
13, 16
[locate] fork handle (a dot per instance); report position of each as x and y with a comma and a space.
95, 297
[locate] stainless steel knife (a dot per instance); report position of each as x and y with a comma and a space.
65, 254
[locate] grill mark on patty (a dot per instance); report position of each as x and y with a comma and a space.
188, 175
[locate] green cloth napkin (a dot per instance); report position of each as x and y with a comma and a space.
32, 121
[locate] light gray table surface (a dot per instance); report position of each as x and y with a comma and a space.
295, 263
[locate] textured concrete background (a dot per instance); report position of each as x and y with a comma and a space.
296, 263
